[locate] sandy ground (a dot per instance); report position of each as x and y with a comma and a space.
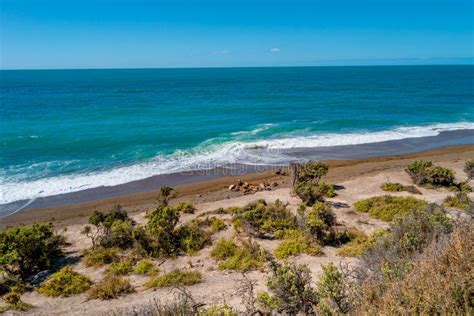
356, 181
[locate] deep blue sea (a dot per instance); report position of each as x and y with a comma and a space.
67, 130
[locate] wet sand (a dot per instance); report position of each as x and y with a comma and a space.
215, 187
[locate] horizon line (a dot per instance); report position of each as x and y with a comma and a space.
232, 67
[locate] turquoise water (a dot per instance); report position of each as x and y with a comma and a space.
67, 130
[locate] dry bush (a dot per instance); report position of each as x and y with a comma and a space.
111, 287
440, 282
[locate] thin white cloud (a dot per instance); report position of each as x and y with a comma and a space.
274, 50
221, 52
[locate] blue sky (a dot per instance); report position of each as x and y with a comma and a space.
228, 33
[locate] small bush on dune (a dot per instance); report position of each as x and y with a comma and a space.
27, 250
122, 267
65, 282
320, 220
333, 293
398, 187
427, 174
159, 237
217, 224
290, 290
460, 201
311, 193
113, 229
388, 207
392, 187
192, 238
262, 217
97, 257
224, 249
175, 278
145, 267
295, 243
14, 302
111, 287
356, 243
249, 256
185, 207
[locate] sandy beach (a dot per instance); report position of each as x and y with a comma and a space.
356, 179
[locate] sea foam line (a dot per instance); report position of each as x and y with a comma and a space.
263, 152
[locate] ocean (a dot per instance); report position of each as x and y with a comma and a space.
63, 131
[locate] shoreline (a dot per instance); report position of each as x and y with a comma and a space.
214, 189
343, 152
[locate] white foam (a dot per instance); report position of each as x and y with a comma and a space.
264, 152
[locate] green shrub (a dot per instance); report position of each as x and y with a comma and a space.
290, 288
320, 221
312, 171
175, 278
97, 257
220, 310
459, 201
122, 267
265, 218
392, 187
192, 238
356, 243
463, 187
160, 237
145, 267
27, 250
223, 249
333, 294
113, 229
65, 282
217, 224
311, 192
185, 207
425, 173
111, 287
295, 243
388, 207
249, 256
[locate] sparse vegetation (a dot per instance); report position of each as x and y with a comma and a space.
260, 218
97, 257
111, 287
460, 201
388, 207
145, 267
122, 267
65, 282
224, 249
185, 207
27, 250
249, 256
175, 278
398, 187
294, 243
469, 169
14, 302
